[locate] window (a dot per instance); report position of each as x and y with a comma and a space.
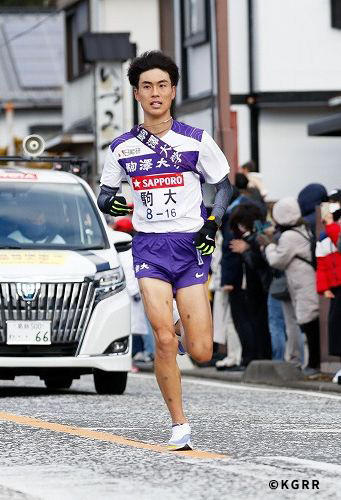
336, 13
195, 38
195, 22
77, 23
48, 215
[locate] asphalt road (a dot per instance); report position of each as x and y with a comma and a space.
100, 451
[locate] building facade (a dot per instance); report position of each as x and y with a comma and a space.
31, 74
283, 71
101, 37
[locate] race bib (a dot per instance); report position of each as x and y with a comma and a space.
160, 196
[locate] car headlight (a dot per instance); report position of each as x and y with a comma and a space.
108, 283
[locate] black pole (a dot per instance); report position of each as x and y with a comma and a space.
254, 110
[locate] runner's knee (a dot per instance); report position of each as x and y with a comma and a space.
201, 352
166, 342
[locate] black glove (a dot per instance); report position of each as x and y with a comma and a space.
205, 240
117, 206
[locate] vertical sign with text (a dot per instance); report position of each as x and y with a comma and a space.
108, 107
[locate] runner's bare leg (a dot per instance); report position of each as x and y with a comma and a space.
157, 297
195, 313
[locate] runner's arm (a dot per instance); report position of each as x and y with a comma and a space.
105, 197
222, 199
111, 179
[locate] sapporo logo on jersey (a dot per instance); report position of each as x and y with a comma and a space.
141, 182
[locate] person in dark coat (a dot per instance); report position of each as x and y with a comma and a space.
308, 199
258, 278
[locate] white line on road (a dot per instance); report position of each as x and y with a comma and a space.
245, 387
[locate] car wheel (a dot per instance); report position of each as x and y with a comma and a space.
58, 382
110, 382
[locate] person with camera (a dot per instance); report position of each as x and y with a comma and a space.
258, 276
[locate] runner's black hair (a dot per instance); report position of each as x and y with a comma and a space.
151, 60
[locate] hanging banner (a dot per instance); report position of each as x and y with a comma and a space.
109, 107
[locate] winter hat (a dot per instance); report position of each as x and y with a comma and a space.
286, 211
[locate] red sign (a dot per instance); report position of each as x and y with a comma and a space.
18, 176
142, 182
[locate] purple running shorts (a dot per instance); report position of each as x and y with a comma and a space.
170, 257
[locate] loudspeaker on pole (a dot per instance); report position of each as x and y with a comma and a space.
33, 145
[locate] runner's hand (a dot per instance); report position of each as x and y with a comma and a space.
205, 240
118, 206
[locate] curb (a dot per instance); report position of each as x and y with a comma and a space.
237, 377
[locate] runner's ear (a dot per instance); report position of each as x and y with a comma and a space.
136, 94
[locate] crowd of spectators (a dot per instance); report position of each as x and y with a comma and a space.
268, 270
272, 266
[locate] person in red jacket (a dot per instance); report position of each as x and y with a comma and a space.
328, 277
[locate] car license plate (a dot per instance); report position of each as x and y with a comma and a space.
29, 332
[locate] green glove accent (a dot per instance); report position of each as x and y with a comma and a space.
118, 206
205, 240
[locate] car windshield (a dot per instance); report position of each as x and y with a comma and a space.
48, 215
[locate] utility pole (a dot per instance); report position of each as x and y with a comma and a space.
9, 116
226, 137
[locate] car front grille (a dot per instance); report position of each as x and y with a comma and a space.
66, 305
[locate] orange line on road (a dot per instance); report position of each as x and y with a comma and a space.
103, 436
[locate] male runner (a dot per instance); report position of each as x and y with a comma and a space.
165, 163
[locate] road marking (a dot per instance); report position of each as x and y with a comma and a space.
103, 436
241, 386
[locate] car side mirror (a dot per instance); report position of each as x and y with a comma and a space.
122, 241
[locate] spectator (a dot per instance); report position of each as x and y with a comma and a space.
257, 274
232, 283
254, 178
252, 193
292, 254
311, 196
286, 336
329, 277
224, 332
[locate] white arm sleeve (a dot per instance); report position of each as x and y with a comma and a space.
212, 162
113, 173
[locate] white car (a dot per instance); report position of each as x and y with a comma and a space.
64, 307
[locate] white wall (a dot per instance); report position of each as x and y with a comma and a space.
78, 100
238, 46
199, 119
24, 119
199, 70
289, 159
143, 22
295, 46
139, 17
243, 131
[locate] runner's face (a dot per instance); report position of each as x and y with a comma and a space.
155, 93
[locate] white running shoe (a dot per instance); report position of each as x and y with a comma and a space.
181, 438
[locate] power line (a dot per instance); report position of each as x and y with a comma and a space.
31, 28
